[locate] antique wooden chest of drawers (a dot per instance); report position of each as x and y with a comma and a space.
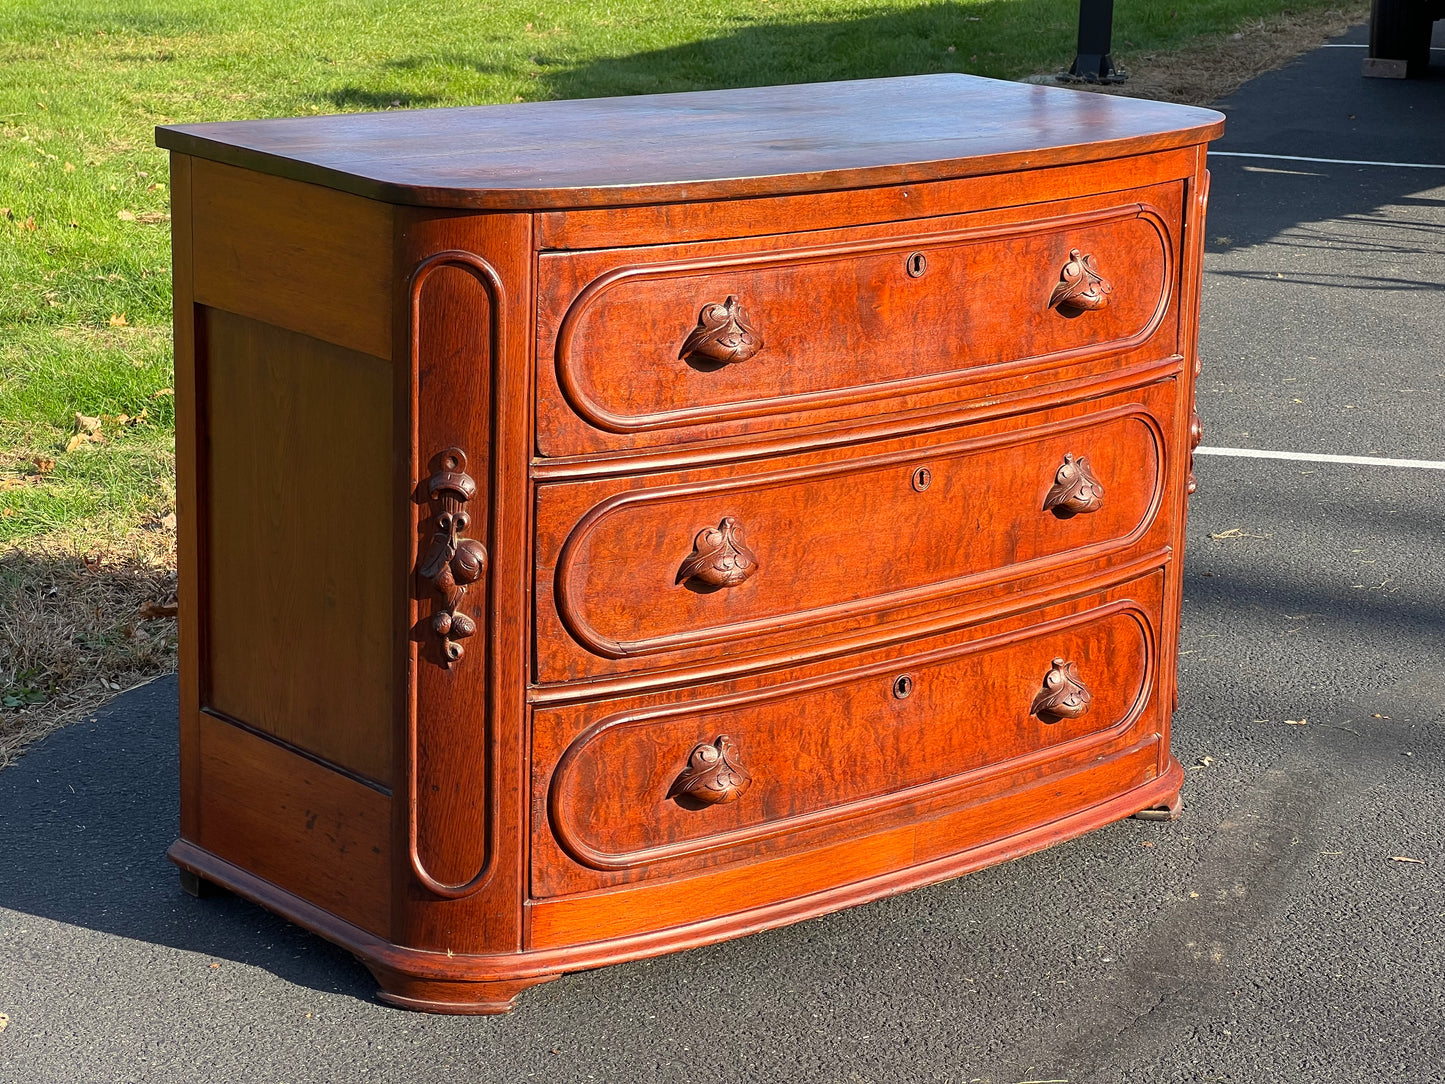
614, 526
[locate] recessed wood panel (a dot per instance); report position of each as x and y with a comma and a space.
823, 325
844, 324
867, 742
1005, 825
834, 540
296, 255
297, 824
299, 508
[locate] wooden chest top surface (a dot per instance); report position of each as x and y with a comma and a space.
701, 145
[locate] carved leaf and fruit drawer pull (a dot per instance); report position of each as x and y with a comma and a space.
1075, 488
1081, 288
1196, 434
713, 775
1063, 695
720, 557
723, 335
452, 561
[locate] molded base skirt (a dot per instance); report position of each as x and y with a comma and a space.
459, 983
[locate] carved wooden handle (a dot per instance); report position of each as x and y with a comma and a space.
1063, 695
723, 335
1196, 434
1075, 488
713, 775
1081, 288
452, 562
720, 557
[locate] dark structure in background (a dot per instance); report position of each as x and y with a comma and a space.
1399, 37
1093, 63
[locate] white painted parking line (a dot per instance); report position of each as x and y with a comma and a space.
1319, 457
1433, 48
1327, 161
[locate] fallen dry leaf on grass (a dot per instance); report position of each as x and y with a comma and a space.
118, 320
43, 464
87, 430
154, 611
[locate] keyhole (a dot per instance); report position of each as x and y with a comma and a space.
922, 479
903, 686
917, 264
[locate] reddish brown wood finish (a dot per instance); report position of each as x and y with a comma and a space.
832, 746
586, 556
604, 151
827, 532
755, 216
299, 553
611, 324
295, 822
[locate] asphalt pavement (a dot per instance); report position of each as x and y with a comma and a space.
1289, 927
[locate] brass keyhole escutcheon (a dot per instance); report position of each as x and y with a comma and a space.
922, 479
903, 686
917, 263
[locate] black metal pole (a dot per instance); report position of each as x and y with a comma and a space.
1094, 64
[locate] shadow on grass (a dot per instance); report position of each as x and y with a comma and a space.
353, 97
996, 39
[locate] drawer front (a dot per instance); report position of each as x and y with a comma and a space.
625, 793
645, 574
650, 347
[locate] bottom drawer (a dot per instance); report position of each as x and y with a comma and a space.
675, 783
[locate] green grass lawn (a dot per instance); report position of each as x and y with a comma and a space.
84, 267
86, 409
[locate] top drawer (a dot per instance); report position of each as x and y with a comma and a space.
647, 347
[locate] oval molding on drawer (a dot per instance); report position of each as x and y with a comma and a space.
832, 537
983, 308
840, 746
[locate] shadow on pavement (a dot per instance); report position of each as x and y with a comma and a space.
98, 804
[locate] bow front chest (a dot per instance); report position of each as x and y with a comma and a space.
612, 526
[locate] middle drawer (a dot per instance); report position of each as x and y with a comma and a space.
663, 570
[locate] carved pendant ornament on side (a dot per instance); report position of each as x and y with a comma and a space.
1063, 695
452, 562
723, 335
1081, 288
1075, 488
720, 557
713, 776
